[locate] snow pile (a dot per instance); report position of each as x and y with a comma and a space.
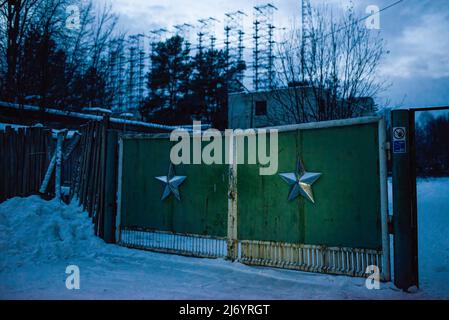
36, 231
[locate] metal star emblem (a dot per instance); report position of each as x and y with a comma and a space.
172, 183
300, 182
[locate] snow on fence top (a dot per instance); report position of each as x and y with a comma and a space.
13, 126
102, 110
99, 118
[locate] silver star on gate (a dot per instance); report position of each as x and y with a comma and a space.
172, 183
300, 182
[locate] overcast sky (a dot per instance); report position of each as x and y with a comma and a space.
416, 31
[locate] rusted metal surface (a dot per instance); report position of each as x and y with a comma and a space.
176, 243
312, 258
232, 202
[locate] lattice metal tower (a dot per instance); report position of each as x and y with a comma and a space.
132, 72
154, 38
83, 65
234, 41
307, 45
121, 77
141, 69
116, 75
112, 75
206, 31
184, 31
212, 37
263, 53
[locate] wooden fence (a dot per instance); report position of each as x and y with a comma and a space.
23, 161
89, 168
94, 178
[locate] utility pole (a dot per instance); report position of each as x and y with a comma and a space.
307, 47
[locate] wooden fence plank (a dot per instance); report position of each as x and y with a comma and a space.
102, 173
110, 207
90, 168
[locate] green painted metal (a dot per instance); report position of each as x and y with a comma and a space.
347, 195
203, 206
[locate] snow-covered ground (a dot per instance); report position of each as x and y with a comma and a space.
433, 236
39, 239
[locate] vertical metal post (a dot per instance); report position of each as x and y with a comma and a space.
383, 173
404, 200
110, 187
232, 243
118, 217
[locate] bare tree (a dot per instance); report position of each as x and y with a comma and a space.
103, 26
331, 73
82, 46
15, 21
88, 45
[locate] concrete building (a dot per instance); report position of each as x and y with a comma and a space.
280, 107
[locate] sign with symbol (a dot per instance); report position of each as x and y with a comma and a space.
399, 140
399, 133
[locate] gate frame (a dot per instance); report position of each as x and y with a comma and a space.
383, 176
233, 242
405, 212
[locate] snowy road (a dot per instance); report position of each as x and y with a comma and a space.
39, 239
433, 236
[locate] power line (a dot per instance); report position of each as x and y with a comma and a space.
364, 18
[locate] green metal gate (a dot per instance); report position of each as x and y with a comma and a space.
231, 211
195, 225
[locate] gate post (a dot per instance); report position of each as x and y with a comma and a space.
404, 200
232, 243
110, 207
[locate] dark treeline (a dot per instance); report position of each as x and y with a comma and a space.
57, 54
183, 87
432, 145
53, 53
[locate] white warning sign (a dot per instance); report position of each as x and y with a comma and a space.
399, 140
